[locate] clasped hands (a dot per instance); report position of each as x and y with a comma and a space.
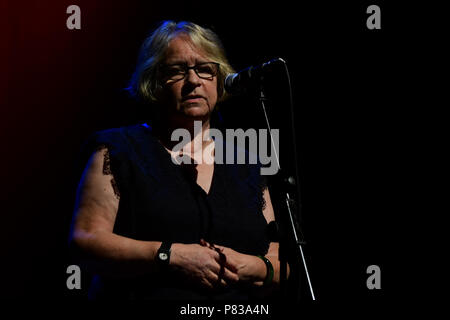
213, 266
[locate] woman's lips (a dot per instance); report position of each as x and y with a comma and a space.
193, 99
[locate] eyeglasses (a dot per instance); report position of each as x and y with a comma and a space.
177, 72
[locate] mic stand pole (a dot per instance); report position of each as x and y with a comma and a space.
288, 235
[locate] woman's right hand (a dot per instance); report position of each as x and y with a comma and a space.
201, 265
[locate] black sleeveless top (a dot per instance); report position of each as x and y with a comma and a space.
159, 201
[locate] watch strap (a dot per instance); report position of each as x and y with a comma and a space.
163, 254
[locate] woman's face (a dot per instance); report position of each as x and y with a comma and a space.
191, 98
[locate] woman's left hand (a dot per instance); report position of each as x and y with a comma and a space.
250, 269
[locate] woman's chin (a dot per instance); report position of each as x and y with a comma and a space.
196, 111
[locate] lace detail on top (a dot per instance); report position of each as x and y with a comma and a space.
263, 186
107, 168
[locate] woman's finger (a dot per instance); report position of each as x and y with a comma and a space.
215, 280
223, 272
219, 281
230, 276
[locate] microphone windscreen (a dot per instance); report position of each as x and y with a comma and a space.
229, 79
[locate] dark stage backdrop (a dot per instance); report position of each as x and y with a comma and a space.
60, 85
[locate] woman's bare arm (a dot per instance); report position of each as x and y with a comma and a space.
107, 253
95, 213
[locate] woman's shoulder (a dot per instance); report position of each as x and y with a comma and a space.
116, 137
116, 132
116, 140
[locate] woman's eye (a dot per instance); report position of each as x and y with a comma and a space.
204, 69
175, 70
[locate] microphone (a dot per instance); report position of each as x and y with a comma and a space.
247, 79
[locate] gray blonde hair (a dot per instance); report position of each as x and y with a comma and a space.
144, 81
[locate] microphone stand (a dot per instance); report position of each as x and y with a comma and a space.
290, 238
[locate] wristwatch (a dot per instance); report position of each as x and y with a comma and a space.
163, 254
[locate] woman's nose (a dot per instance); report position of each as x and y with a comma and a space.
192, 77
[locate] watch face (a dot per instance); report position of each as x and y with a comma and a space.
163, 256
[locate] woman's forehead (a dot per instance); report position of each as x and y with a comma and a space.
181, 49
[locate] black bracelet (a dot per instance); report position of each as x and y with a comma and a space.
269, 274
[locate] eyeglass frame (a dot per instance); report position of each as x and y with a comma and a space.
186, 69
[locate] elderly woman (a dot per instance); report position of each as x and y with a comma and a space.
151, 229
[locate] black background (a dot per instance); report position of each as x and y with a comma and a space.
353, 122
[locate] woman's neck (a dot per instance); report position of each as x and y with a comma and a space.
193, 134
